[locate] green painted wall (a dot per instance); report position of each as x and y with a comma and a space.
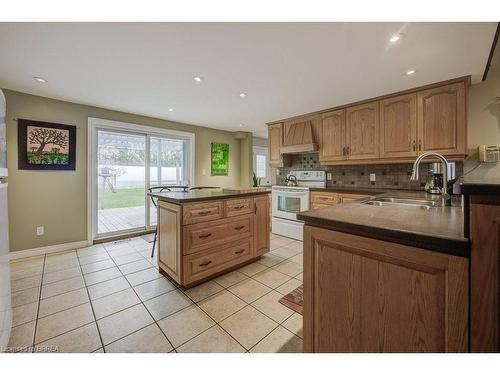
58, 200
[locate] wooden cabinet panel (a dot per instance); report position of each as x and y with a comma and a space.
170, 239
332, 139
198, 237
324, 197
485, 276
366, 295
235, 207
261, 225
275, 141
442, 119
203, 212
398, 126
362, 131
352, 197
201, 265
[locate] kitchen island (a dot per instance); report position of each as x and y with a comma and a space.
386, 278
205, 233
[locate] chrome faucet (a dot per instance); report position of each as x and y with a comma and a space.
444, 189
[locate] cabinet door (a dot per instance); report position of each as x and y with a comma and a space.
332, 136
485, 274
398, 126
366, 295
261, 225
170, 239
362, 130
442, 120
275, 140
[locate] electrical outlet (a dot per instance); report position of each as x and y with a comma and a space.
40, 231
372, 177
204, 172
329, 176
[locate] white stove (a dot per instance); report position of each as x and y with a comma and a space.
287, 201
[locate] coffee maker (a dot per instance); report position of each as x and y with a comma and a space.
434, 184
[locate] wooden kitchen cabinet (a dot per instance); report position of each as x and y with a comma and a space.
362, 131
442, 123
395, 128
320, 199
485, 273
367, 295
398, 127
275, 141
262, 225
170, 242
332, 139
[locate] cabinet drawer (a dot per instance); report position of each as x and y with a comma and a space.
201, 265
201, 212
320, 205
235, 207
352, 197
207, 235
324, 198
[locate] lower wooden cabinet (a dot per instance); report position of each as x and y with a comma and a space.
366, 295
197, 241
485, 273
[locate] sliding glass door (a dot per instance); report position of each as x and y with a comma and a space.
125, 161
121, 176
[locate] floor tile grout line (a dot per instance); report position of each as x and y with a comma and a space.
92, 307
38, 308
141, 302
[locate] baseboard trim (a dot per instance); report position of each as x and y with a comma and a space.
46, 250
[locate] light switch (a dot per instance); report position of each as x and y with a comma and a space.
204, 172
372, 177
329, 176
40, 231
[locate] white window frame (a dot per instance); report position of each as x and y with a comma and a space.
95, 124
259, 150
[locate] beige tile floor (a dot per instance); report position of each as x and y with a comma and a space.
112, 298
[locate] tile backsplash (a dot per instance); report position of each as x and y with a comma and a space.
388, 176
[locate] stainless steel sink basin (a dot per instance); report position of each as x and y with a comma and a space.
411, 202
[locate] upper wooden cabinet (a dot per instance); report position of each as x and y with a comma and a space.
394, 129
442, 120
332, 137
398, 126
362, 132
275, 140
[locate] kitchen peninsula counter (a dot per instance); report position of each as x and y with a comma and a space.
205, 233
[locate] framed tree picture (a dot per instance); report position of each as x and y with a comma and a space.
46, 145
220, 159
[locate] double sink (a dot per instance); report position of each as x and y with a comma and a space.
405, 202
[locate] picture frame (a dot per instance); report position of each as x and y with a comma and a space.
219, 159
46, 145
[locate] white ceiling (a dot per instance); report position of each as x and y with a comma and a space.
285, 68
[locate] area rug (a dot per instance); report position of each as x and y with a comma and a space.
294, 300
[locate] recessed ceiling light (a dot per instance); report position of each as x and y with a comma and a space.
170, 109
395, 38
198, 79
242, 95
411, 72
241, 125
40, 79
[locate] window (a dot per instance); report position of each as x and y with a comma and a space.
260, 164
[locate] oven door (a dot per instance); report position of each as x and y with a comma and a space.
287, 203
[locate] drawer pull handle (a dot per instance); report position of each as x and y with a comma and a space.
204, 264
240, 227
203, 236
204, 212
238, 207
239, 251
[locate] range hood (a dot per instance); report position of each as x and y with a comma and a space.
299, 138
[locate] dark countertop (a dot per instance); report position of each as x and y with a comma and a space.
351, 190
201, 195
439, 229
479, 185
